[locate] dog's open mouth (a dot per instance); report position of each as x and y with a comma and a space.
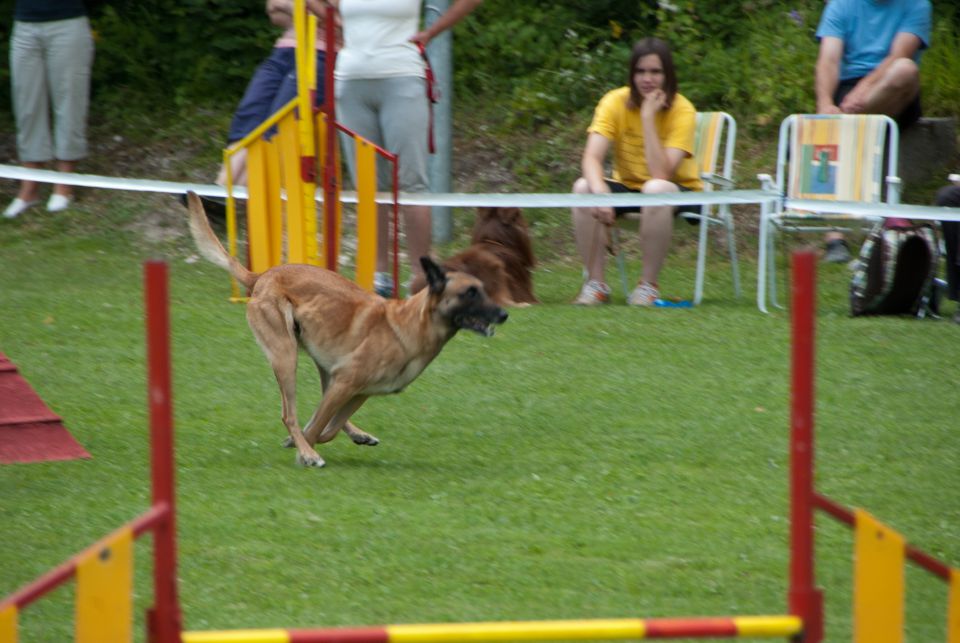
476, 324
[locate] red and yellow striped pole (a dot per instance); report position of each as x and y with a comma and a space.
596, 629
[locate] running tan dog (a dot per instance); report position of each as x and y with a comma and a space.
362, 344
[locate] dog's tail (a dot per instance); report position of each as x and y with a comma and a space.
211, 248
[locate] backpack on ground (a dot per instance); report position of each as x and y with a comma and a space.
895, 272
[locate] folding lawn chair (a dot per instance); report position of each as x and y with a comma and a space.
822, 158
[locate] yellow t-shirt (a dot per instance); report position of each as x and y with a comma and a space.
676, 127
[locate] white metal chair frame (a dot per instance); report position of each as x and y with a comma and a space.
723, 180
778, 215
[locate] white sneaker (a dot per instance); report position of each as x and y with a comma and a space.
593, 293
17, 207
383, 284
58, 203
645, 294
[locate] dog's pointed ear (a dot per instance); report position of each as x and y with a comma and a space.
436, 277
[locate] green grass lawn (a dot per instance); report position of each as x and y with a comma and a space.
582, 463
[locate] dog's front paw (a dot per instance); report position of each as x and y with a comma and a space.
310, 460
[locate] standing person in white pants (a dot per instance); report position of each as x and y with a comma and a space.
381, 95
51, 56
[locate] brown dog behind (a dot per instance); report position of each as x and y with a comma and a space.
500, 255
362, 344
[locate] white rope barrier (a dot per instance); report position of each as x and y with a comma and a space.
816, 208
871, 210
115, 183
520, 200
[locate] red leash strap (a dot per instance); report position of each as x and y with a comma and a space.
432, 94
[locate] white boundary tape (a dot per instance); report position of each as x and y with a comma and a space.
520, 200
872, 210
114, 183
527, 200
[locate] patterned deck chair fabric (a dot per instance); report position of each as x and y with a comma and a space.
824, 158
714, 142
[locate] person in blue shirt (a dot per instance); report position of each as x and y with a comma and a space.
869, 63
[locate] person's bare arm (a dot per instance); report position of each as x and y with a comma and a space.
591, 166
827, 74
280, 13
457, 12
662, 162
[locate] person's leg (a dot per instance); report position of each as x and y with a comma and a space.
950, 196
656, 231
405, 120
898, 87
590, 237
286, 89
254, 106
69, 63
30, 104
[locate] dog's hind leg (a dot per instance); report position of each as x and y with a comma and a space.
274, 334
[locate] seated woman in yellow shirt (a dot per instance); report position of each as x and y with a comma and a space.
650, 129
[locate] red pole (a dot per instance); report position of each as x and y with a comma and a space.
164, 620
329, 166
805, 599
396, 226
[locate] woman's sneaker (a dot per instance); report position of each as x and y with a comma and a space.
383, 284
645, 294
593, 293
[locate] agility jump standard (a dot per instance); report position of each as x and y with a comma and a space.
104, 571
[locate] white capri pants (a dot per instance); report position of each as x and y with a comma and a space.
394, 114
50, 66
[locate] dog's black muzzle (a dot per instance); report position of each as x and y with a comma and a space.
480, 320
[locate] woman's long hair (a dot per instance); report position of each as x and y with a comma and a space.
645, 47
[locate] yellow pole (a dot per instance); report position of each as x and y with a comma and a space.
953, 608
878, 581
231, 217
104, 597
306, 28
289, 152
366, 213
8, 624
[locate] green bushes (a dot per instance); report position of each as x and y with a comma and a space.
169, 52
541, 62
753, 58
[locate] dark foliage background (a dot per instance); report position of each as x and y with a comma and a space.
541, 61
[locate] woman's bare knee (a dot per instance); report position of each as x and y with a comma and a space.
659, 186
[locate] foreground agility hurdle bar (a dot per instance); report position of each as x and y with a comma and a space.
104, 571
879, 551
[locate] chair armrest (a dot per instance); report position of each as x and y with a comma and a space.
718, 181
